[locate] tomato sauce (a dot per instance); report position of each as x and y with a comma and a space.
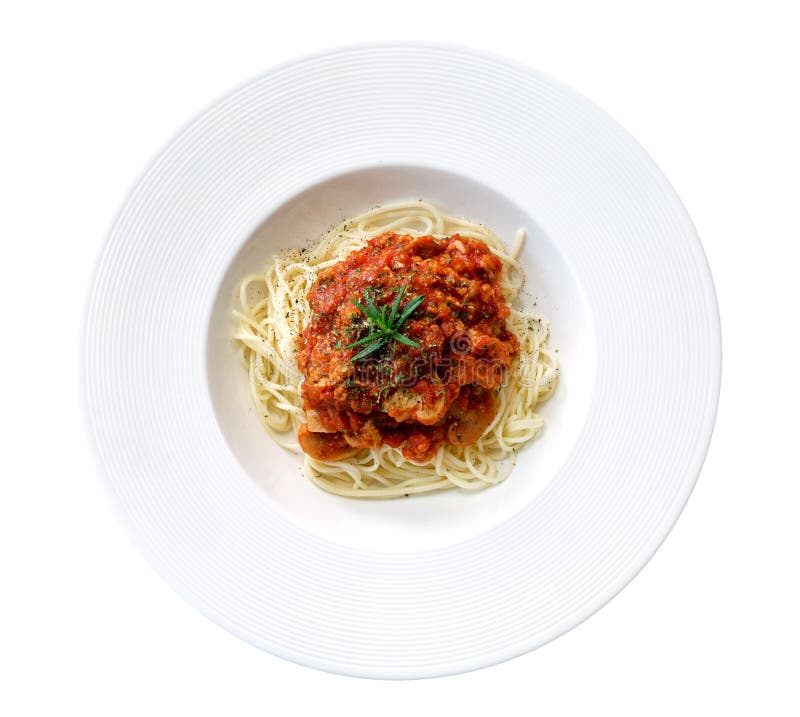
415, 398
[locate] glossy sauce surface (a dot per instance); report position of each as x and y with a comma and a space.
412, 397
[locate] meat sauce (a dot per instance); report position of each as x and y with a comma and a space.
415, 398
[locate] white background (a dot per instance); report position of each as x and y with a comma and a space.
90, 91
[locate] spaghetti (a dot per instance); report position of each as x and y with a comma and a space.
274, 309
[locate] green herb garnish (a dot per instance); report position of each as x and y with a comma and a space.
384, 328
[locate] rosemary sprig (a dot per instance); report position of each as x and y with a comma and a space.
385, 324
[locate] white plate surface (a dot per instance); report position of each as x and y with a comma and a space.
434, 584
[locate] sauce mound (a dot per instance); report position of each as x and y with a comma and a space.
415, 398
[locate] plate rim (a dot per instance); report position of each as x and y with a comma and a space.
455, 667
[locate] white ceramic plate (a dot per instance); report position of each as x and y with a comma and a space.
434, 584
